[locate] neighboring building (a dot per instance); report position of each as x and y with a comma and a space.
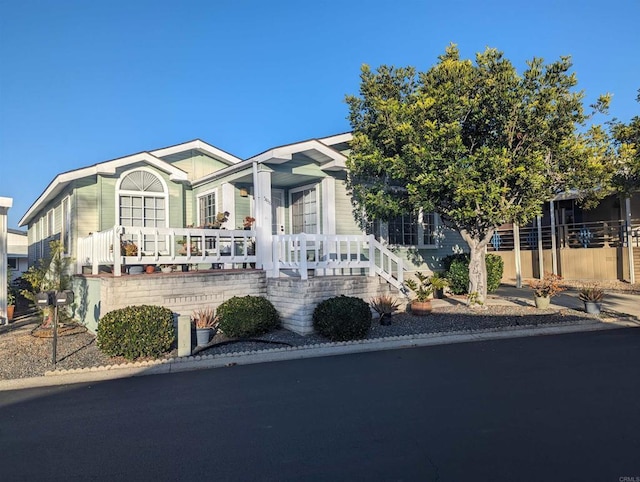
17, 252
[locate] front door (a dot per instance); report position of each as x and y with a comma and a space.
277, 211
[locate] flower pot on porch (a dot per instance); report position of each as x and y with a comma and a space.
150, 269
592, 307
542, 302
10, 311
421, 308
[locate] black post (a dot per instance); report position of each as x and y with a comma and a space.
55, 336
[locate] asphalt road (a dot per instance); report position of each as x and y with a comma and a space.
548, 408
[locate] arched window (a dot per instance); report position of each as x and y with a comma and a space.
142, 201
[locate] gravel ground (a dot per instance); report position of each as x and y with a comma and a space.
26, 349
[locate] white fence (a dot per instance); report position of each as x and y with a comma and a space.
335, 254
325, 254
165, 246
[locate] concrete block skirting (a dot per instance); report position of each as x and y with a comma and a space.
295, 299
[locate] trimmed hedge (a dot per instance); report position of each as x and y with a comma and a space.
342, 318
247, 316
457, 266
136, 331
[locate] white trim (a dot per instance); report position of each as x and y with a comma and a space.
164, 194
384, 228
280, 155
336, 139
318, 217
50, 224
65, 231
198, 145
107, 168
216, 194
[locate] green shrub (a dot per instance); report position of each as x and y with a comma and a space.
495, 268
342, 318
458, 275
246, 316
136, 331
458, 272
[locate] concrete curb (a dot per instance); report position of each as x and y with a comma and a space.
174, 365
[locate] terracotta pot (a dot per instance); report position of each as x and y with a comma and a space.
150, 269
10, 309
421, 308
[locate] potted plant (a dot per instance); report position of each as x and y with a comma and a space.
385, 306
166, 268
206, 323
421, 304
247, 222
11, 303
128, 248
150, 268
591, 294
439, 282
544, 289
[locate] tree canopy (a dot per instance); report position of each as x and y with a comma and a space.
475, 142
626, 138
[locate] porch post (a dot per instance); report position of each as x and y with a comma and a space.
262, 203
5, 204
554, 258
540, 253
117, 255
516, 254
627, 218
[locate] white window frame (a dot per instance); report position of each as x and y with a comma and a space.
384, 233
50, 223
65, 224
306, 187
164, 194
216, 194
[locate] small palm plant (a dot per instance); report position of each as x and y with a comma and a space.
205, 318
385, 306
423, 288
591, 293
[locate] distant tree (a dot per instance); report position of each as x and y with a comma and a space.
473, 141
626, 138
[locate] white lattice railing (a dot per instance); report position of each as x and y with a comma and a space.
166, 246
332, 254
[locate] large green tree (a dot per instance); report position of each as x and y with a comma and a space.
475, 142
626, 138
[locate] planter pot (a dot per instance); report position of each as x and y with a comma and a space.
385, 319
166, 269
542, 302
203, 335
10, 310
135, 269
150, 269
438, 293
592, 307
421, 308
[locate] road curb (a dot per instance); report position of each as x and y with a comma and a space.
175, 365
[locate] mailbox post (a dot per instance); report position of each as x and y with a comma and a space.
56, 299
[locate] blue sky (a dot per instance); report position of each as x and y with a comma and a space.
87, 81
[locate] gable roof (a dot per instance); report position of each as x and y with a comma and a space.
61, 181
198, 145
319, 150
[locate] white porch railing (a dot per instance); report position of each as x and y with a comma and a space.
325, 254
167, 246
333, 253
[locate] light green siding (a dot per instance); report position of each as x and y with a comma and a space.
197, 165
345, 221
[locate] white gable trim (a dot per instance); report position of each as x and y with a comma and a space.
108, 168
199, 146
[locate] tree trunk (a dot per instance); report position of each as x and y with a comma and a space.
477, 267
